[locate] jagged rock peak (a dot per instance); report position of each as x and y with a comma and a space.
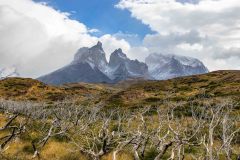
95, 56
119, 50
119, 53
99, 44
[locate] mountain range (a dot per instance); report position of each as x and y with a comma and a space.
90, 65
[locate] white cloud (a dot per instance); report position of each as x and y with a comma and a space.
111, 43
187, 46
39, 39
209, 28
36, 38
139, 53
166, 42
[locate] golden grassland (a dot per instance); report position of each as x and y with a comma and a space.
220, 84
130, 93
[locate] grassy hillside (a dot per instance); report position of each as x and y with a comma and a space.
131, 93
219, 84
22, 89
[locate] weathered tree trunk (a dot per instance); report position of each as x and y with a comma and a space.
211, 144
136, 156
115, 155
163, 150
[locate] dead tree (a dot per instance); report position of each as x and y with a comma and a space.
123, 136
162, 139
98, 139
184, 133
140, 136
220, 119
56, 128
14, 129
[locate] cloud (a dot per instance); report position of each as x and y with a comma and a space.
111, 43
165, 43
139, 53
119, 40
205, 29
36, 38
133, 39
169, 15
39, 39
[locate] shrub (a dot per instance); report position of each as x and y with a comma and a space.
153, 99
28, 149
151, 154
71, 156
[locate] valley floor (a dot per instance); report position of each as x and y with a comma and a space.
195, 117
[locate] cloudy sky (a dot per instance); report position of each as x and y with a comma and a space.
39, 36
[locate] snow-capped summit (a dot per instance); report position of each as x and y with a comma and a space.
123, 68
8, 72
94, 56
117, 57
168, 66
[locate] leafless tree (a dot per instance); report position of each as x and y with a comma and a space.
56, 128
141, 135
13, 130
219, 118
99, 138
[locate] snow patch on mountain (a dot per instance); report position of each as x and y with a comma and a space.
94, 56
8, 72
168, 66
121, 67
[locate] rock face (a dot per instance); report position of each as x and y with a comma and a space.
90, 65
8, 72
94, 56
170, 66
81, 72
121, 67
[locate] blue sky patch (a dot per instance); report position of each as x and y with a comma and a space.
102, 15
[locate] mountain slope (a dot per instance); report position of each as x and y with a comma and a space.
88, 66
81, 72
171, 66
122, 68
209, 86
26, 89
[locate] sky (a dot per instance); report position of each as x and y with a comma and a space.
101, 15
40, 36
